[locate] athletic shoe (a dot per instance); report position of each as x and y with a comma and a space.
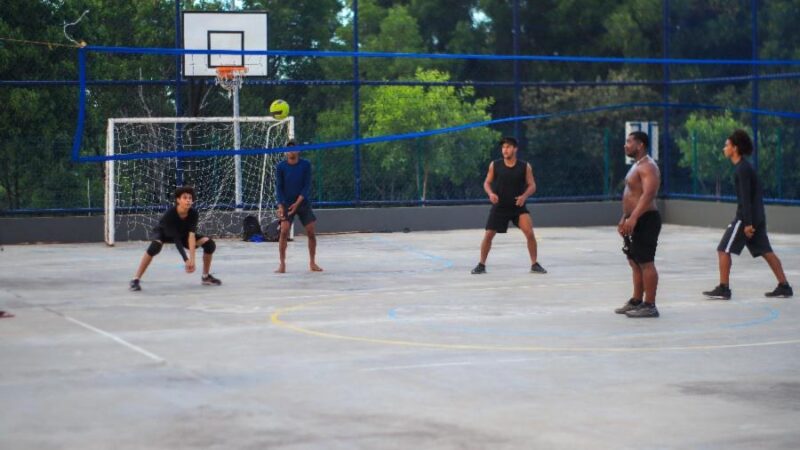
642, 311
782, 291
628, 306
536, 268
209, 280
479, 269
135, 286
719, 293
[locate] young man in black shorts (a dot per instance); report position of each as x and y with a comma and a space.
640, 226
508, 184
749, 227
293, 187
179, 226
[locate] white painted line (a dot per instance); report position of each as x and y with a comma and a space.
111, 336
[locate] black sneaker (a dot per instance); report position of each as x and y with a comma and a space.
209, 280
782, 291
536, 268
719, 293
479, 269
628, 306
642, 311
135, 286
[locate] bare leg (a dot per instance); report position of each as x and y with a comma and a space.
725, 263
638, 280
312, 247
146, 260
650, 281
486, 245
776, 266
206, 257
526, 225
283, 241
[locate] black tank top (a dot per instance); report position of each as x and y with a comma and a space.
509, 182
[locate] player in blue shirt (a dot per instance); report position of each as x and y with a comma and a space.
293, 186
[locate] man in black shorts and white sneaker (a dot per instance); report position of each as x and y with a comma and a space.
640, 226
749, 227
509, 183
179, 226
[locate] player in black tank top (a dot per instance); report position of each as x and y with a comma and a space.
508, 184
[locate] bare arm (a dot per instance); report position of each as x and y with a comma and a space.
487, 184
531, 186
190, 266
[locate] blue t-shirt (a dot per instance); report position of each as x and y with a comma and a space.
293, 180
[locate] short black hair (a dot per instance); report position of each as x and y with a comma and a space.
509, 140
291, 143
642, 137
184, 190
741, 140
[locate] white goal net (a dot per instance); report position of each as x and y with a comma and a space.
227, 188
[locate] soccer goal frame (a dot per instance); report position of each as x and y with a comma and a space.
259, 132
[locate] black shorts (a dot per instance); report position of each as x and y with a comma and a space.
640, 247
158, 235
734, 240
304, 213
499, 217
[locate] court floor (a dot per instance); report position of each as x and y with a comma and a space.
396, 345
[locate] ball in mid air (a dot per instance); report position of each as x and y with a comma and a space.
279, 109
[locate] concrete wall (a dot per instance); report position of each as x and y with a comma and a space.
784, 219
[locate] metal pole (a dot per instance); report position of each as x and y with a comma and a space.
695, 163
356, 110
606, 163
779, 162
666, 154
237, 144
178, 99
517, 88
754, 118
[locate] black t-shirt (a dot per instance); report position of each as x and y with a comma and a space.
749, 195
509, 182
172, 227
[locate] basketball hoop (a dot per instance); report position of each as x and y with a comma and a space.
230, 77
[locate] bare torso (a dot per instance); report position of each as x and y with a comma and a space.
634, 187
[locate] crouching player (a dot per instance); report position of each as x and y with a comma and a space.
179, 226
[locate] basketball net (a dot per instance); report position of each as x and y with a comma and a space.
230, 78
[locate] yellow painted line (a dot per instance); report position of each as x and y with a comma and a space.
276, 320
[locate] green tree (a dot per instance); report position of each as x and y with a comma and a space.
700, 145
405, 109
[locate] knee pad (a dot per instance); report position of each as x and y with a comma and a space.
154, 248
209, 247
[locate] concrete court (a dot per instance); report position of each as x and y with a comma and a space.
397, 346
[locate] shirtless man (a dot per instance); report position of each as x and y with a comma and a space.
640, 225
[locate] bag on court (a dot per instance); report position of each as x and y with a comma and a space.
251, 230
272, 231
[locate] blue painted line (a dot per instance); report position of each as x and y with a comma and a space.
772, 315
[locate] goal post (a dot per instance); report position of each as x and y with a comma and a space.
227, 188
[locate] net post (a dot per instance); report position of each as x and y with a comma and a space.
109, 197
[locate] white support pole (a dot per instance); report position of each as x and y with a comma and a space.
110, 194
237, 144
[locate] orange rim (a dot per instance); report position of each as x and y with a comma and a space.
230, 72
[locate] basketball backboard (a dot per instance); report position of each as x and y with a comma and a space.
206, 30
